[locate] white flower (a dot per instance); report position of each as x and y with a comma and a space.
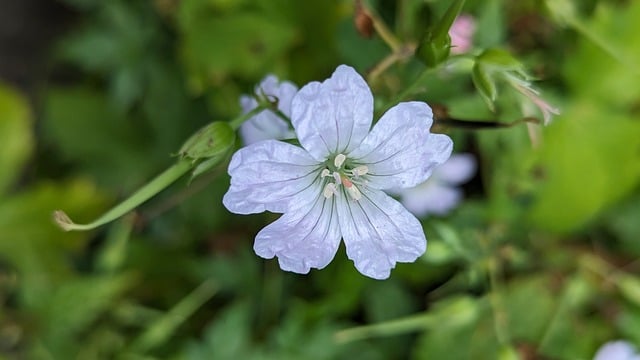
617, 350
439, 194
331, 187
266, 124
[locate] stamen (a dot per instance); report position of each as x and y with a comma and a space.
360, 170
354, 192
339, 160
325, 173
329, 190
346, 182
336, 177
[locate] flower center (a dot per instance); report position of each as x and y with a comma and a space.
346, 174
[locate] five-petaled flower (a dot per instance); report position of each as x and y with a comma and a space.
266, 124
331, 187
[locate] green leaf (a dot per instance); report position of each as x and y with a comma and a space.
33, 245
471, 339
75, 305
81, 123
529, 306
213, 46
569, 334
484, 83
356, 51
491, 29
498, 59
596, 73
226, 338
623, 223
15, 135
590, 160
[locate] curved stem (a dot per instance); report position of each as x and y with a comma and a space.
153, 187
235, 123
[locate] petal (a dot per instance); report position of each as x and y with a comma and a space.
378, 232
457, 170
271, 175
430, 198
334, 116
400, 151
285, 96
304, 239
619, 349
284, 91
264, 126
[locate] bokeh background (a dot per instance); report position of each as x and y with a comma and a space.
539, 262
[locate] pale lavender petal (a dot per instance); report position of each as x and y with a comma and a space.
271, 175
431, 198
457, 170
617, 350
333, 116
285, 96
267, 125
247, 103
264, 126
378, 232
303, 239
400, 152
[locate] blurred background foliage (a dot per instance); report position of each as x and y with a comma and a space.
540, 261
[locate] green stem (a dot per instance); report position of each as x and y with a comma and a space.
394, 327
162, 329
235, 123
143, 194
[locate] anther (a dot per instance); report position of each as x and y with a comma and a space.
360, 170
336, 178
325, 173
339, 160
354, 192
329, 190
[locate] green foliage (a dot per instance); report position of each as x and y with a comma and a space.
15, 135
539, 261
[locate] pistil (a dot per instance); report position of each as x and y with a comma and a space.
345, 177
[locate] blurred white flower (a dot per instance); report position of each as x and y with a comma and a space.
461, 33
440, 193
331, 187
266, 124
617, 350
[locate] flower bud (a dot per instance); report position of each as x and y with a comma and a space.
213, 140
434, 51
435, 45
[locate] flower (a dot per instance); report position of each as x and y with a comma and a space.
331, 187
266, 124
617, 350
461, 33
439, 194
